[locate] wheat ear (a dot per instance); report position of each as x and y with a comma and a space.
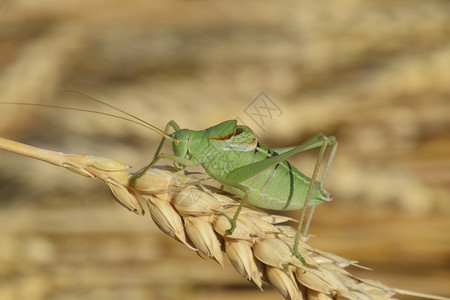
260, 248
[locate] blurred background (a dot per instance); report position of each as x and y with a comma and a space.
373, 73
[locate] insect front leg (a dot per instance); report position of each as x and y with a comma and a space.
180, 160
175, 127
156, 157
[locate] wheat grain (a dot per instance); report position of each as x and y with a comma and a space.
260, 248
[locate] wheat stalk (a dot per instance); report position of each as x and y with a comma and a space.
260, 248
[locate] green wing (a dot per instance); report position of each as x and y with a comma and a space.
244, 139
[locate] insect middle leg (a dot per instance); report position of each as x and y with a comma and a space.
238, 211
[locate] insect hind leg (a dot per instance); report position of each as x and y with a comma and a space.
331, 142
324, 142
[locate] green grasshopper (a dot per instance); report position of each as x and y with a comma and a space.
230, 154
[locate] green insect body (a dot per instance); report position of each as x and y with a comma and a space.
279, 187
230, 154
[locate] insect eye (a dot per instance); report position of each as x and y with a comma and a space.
176, 142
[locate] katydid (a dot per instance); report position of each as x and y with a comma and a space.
230, 154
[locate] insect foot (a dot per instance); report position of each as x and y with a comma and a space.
136, 176
300, 257
231, 230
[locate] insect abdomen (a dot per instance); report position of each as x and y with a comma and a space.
280, 187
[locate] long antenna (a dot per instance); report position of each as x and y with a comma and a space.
141, 123
107, 104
